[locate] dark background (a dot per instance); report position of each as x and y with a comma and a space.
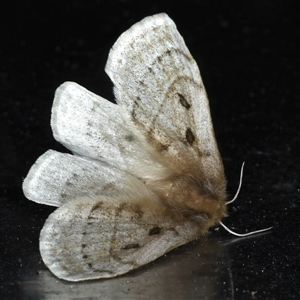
248, 54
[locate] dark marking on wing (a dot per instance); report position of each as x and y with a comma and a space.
138, 212
164, 147
154, 230
84, 256
183, 101
150, 70
133, 114
189, 136
98, 205
120, 208
136, 105
90, 220
129, 138
83, 246
131, 246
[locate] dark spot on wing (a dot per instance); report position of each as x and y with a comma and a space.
150, 70
189, 136
84, 256
90, 219
83, 245
183, 101
131, 246
98, 205
129, 138
90, 265
154, 230
164, 147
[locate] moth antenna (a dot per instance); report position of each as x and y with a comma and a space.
240, 185
234, 198
245, 234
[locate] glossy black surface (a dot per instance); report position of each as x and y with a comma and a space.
248, 55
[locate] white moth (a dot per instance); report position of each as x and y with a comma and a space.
146, 175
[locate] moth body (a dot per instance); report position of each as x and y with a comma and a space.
145, 175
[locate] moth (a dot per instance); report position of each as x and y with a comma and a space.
145, 175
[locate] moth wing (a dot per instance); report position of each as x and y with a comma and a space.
158, 83
93, 127
57, 178
104, 237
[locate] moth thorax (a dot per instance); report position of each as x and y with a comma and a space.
192, 201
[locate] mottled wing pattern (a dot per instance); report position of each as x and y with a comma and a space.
158, 83
102, 238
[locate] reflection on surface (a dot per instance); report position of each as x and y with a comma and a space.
199, 270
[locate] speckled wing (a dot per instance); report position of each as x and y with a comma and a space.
93, 127
158, 83
104, 237
57, 178
107, 151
